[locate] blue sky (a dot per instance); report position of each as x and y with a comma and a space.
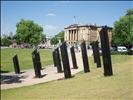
53, 16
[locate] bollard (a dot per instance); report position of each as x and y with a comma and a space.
94, 52
73, 58
36, 64
106, 52
54, 60
98, 61
16, 64
84, 57
58, 61
39, 60
65, 60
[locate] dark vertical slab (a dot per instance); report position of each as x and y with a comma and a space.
36, 64
58, 61
94, 52
97, 54
54, 60
84, 57
73, 58
106, 52
65, 60
38, 59
16, 64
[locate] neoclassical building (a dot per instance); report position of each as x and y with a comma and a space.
76, 33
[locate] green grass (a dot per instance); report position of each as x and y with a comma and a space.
84, 86
25, 58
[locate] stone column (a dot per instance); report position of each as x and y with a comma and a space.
72, 35
69, 35
77, 34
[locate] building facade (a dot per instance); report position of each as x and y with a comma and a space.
75, 34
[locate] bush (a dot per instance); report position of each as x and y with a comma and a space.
130, 52
5, 41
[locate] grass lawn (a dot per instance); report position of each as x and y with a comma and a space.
84, 86
25, 58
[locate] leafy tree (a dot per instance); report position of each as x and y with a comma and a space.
60, 35
28, 32
43, 38
5, 41
123, 30
56, 38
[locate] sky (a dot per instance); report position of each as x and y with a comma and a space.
54, 16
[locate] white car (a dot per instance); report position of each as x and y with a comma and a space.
131, 49
121, 49
41, 46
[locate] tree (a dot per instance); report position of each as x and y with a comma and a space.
43, 38
123, 30
56, 38
28, 32
5, 41
60, 35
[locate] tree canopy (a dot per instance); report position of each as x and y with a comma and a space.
29, 32
5, 40
56, 38
123, 30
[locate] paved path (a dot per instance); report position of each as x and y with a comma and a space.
11, 80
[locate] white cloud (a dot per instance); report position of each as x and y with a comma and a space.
51, 14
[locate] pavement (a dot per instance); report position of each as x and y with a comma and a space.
49, 73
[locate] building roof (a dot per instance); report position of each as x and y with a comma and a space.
72, 26
86, 25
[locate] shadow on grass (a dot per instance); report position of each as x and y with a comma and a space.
9, 79
66, 78
1, 71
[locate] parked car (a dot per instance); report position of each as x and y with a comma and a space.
113, 49
121, 49
24, 45
42, 46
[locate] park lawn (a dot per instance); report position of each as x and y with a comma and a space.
25, 58
83, 86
